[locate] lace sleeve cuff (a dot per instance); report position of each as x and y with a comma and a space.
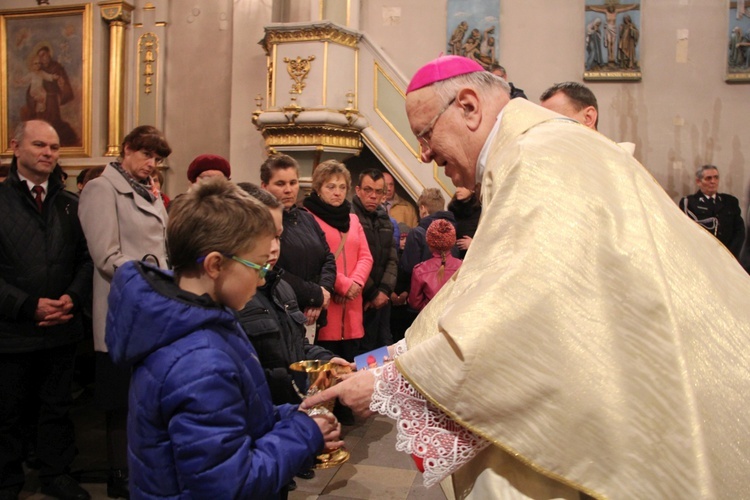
399, 348
423, 430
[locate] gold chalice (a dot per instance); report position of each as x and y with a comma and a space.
320, 376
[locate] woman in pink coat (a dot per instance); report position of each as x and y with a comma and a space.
346, 238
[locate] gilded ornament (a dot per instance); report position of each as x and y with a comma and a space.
326, 33
148, 45
298, 70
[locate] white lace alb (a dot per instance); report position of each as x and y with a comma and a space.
423, 430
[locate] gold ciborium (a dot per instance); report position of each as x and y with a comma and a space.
320, 376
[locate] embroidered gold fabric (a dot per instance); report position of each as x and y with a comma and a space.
594, 334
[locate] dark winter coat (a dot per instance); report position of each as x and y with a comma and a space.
305, 257
42, 255
379, 232
467, 213
275, 325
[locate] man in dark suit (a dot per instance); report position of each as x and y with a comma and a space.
45, 279
718, 213
380, 284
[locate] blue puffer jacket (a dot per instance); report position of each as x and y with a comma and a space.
201, 423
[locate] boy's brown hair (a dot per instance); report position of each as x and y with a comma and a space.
432, 199
215, 215
260, 194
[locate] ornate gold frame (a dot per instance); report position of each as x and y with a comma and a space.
25, 41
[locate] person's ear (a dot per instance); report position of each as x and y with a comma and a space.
212, 264
589, 117
468, 101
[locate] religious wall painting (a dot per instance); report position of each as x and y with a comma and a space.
738, 57
473, 29
46, 73
612, 40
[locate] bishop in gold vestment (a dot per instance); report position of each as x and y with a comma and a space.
597, 338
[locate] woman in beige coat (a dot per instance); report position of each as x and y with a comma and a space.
123, 220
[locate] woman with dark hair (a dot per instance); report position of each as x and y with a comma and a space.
305, 257
346, 238
122, 221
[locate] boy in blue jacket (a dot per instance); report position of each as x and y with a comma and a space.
201, 421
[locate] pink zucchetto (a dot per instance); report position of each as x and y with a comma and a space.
440, 69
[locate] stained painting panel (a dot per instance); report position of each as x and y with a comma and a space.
738, 58
473, 29
612, 39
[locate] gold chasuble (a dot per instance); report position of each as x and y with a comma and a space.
595, 335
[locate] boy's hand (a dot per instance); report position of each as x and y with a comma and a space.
330, 428
341, 361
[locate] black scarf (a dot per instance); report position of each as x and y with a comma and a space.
336, 217
139, 188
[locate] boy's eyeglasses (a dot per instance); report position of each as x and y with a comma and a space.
262, 270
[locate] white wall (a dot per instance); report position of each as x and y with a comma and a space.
198, 83
680, 115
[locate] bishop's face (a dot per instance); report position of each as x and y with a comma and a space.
442, 138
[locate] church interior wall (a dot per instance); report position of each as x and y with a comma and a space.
199, 83
681, 115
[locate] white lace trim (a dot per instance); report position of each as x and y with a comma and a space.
399, 348
423, 429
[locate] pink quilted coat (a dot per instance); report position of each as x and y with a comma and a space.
352, 265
